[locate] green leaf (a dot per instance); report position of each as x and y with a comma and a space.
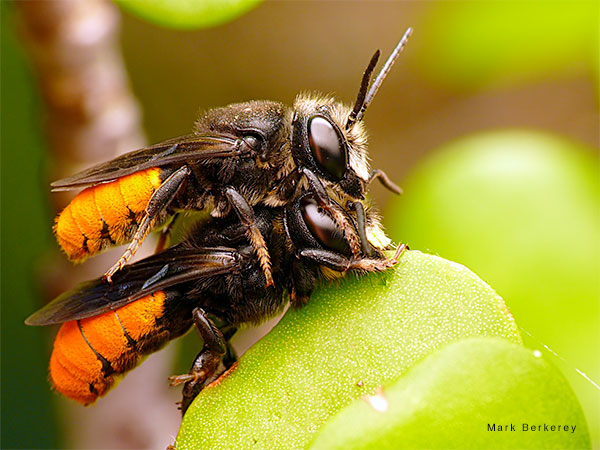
350, 338
188, 14
474, 394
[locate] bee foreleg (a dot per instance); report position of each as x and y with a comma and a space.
207, 362
288, 186
361, 226
322, 198
257, 240
159, 201
316, 187
330, 259
377, 264
340, 263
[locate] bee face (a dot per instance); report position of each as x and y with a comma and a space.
322, 143
308, 226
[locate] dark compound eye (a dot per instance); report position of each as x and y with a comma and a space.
322, 227
327, 146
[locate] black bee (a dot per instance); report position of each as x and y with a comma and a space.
213, 280
239, 156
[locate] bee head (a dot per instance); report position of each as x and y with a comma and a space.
321, 143
330, 139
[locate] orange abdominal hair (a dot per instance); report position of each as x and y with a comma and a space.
105, 214
88, 353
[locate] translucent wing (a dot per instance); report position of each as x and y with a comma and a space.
178, 150
167, 269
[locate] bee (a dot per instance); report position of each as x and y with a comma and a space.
213, 280
238, 156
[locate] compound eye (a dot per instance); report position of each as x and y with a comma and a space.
322, 227
327, 146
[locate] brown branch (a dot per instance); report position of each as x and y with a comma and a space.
91, 116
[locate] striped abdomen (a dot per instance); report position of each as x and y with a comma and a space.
89, 353
105, 214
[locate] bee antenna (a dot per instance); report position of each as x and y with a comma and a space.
362, 93
379, 80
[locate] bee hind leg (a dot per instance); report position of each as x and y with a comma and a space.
206, 364
159, 201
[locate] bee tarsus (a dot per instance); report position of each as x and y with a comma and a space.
206, 364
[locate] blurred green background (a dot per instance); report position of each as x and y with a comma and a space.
518, 207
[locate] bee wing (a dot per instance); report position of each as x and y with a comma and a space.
161, 271
177, 150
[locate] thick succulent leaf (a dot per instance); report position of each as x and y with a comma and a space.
478, 393
351, 338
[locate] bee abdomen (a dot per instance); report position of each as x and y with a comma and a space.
105, 214
89, 353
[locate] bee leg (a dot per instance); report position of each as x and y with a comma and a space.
302, 283
164, 239
204, 367
288, 186
378, 265
340, 263
361, 226
246, 216
327, 258
230, 356
206, 364
384, 179
322, 198
161, 198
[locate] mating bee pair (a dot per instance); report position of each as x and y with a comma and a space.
285, 187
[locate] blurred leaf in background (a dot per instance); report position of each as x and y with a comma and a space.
27, 413
188, 14
522, 210
474, 44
